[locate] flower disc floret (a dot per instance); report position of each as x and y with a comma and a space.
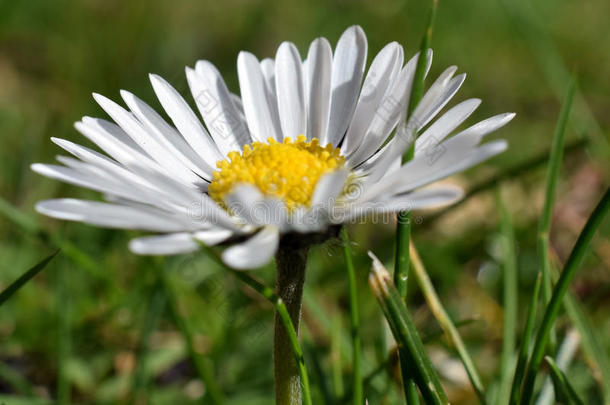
288, 171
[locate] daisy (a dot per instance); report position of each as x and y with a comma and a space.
306, 146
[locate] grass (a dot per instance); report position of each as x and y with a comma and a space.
54, 54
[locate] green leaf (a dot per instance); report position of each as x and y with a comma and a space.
25, 277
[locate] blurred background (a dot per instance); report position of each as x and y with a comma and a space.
103, 326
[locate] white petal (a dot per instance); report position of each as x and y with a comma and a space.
216, 106
348, 68
290, 91
144, 139
255, 252
445, 124
172, 244
373, 90
98, 181
390, 110
185, 120
268, 70
480, 129
90, 156
328, 188
318, 74
257, 104
248, 203
437, 96
316, 217
449, 159
167, 136
112, 140
242, 202
110, 215
213, 237
433, 197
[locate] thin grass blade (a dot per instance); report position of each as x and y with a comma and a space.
552, 177
9, 291
358, 395
403, 225
213, 393
564, 392
552, 309
444, 320
591, 342
410, 346
525, 344
155, 307
510, 299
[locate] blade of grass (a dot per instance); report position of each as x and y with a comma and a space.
31, 227
63, 336
25, 277
156, 306
552, 176
564, 391
552, 309
23, 221
409, 343
441, 315
565, 355
213, 393
510, 299
318, 372
526, 343
282, 312
411, 392
358, 395
15, 380
335, 353
594, 351
403, 219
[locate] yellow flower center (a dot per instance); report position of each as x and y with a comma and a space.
288, 171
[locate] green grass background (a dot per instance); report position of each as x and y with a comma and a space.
99, 330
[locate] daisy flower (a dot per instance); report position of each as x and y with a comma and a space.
308, 144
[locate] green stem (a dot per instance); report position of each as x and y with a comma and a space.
411, 393
358, 396
401, 267
290, 263
403, 226
552, 309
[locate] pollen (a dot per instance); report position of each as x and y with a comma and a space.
288, 171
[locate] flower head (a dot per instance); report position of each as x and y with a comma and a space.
308, 144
